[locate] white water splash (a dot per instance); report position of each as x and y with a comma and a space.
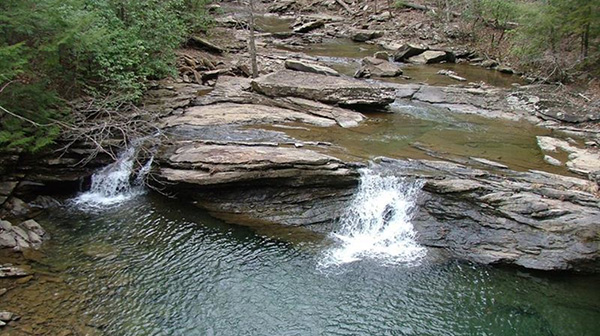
377, 224
112, 184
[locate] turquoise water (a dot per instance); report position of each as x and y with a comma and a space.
156, 267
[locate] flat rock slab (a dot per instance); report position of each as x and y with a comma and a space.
326, 89
258, 183
233, 113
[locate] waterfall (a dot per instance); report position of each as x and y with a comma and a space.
113, 184
377, 224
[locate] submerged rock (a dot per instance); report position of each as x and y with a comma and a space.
326, 89
582, 161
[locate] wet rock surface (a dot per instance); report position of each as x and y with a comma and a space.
534, 219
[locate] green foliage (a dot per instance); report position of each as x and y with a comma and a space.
60, 49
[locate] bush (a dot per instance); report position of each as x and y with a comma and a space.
52, 50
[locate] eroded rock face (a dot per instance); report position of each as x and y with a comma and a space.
536, 220
259, 183
326, 89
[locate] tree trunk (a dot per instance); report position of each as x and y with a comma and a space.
252, 42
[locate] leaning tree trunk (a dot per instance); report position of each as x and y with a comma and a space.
252, 42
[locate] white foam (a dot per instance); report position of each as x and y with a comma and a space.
378, 223
112, 184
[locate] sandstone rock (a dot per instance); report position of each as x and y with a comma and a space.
489, 63
309, 26
6, 189
7, 240
33, 226
535, 220
326, 89
240, 114
429, 57
259, 183
489, 163
407, 51
363, 35
304, 66
381, 68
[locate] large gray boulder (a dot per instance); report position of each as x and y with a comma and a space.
326, 89
536, 220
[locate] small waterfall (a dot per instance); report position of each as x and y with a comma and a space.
113, 184
378, 223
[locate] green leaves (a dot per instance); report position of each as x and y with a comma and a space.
61, 49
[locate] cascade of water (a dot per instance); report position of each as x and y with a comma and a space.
113, 184
377, 224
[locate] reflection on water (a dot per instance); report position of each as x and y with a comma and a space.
156, 267
415, 130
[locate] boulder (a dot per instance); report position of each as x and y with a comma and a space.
407, 51
309, 26
327, 89
363, 35
429, 57
381, 68
534, 219
305, 66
